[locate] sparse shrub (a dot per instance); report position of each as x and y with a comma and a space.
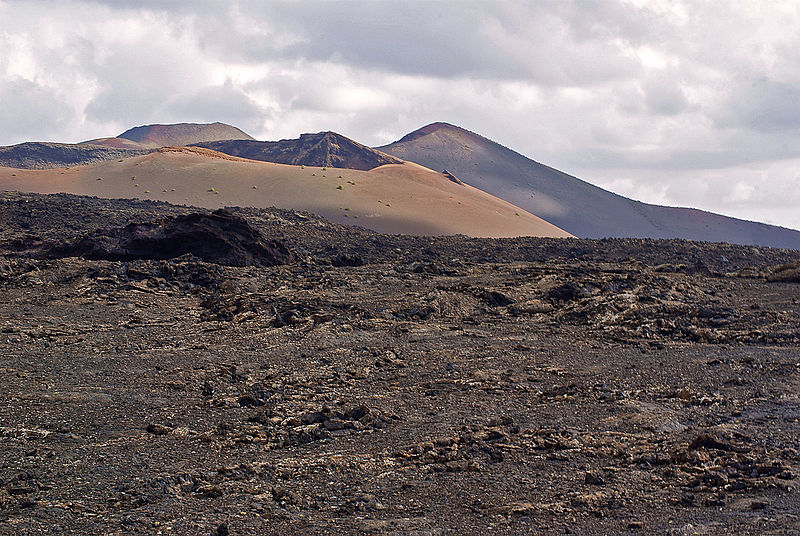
255, 187
340, 187
99, 178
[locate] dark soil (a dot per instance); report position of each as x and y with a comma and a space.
393, 384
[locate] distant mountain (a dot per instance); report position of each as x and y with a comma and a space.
568, 202
181, 134
40, 155
321, 149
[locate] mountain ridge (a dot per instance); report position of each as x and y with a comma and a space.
568, 202
179, 134
322, 149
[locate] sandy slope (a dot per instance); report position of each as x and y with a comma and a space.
397, 198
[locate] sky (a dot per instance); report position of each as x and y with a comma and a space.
677, 102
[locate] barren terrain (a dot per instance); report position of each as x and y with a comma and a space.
390, 384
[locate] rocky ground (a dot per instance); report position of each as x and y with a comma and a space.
367, 383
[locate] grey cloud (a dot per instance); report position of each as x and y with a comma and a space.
32, 112
223, 103
681, 158
764, 105
551, 43
137, 82
506, 40
663, 96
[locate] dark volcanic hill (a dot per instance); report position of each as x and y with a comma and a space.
568, 202
181, 134
40, 155
321, 149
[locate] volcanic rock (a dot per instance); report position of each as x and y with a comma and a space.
218, 237
788, 273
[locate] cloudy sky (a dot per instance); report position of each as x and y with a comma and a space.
679, 102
